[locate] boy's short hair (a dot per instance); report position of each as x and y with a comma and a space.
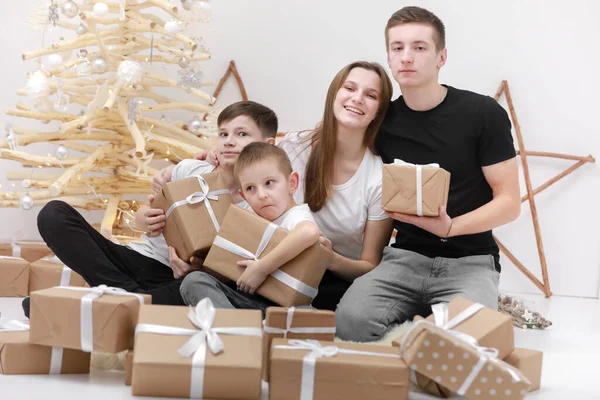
263, 116
259, 152
413, 14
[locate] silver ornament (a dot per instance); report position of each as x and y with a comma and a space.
195, 125
99, 65
69, 9
187, 4
26, 202
81, 29
184, 62
61, 152
189, 79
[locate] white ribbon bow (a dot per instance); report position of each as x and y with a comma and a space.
288, 326
203, 317
318, 351
281, 276
419, 184
87, 329
203, 196
12, 325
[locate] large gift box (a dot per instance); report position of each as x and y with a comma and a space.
313, 370
529, 362
454, 361
295, 323
99, 319
245, 235
28, 250
49, 272
198, 353
19, 357
14, 277
194, 208
414, 189
128, 367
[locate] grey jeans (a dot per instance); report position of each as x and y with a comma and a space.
405, 284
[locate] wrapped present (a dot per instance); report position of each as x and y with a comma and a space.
529, 362
414, 189
295, 323
198, 353
194, 208
455, 361
19, 357
99, 319
14, 277
128, 367
294, 283
30, 250
50, 272
313, 370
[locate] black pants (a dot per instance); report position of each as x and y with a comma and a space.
331, 290
102, 262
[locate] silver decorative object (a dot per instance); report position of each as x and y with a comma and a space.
99, 65
184, 62
26, 202
11, 139
81, 29
195, 125
61, 152
53, 14
189, 79
133, 106
69, 9
187, 4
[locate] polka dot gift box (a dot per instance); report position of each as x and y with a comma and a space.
455, 362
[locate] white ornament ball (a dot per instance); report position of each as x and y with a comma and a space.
55, 60
81, 29
187, 4
61, 152
129, 72
38, 86
173, 26
201, 6
195, 125
69, 9
26, 202
10, 136
100, 9
184, 62
99, 65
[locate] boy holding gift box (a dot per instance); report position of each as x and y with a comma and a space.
268, 183
148, 266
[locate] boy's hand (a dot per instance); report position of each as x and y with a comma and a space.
161, 178
252, 277
210, 156
154, 218
180, 268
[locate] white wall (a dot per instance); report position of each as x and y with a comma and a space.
287, 51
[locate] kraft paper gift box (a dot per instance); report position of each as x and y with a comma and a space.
128, 367
99, 319
19, 357
174, 357
313, 370
295, 323
30, 250
14, 277
529, 362
453, 361
414, 189
50, 272
245, 235
194, 207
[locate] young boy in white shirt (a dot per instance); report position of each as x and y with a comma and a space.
268, 183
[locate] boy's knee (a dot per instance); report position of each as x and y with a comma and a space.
354, 322
49, 215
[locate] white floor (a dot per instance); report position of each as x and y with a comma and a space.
571, 357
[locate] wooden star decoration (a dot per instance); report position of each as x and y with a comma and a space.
530, 196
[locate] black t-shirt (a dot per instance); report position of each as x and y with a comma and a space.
463, 133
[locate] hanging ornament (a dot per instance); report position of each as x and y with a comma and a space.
189, 79
61, 152
132, 113
83, 66
69, 9
10, 137
54, 60
173, 26
62, 100
187, 4
129, 72
195, 125
53, 15
200, 7
26, 202
38, 89
99, 65
184, 62
81, 29
100, 9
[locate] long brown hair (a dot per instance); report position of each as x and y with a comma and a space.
319, 168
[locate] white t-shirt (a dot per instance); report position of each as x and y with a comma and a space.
294, 216
156, 247
344, 216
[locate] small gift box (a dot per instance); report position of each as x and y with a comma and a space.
27, 250
14, 277
194, 208
19, 357
414, 189
294, 283
90, 319
313, 370
529, 362
454, 361
49, 272
198, 353
295, 323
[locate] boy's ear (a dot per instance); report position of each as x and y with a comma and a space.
271, 141
294, 182
241, 194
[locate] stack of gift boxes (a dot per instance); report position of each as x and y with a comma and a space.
201, 352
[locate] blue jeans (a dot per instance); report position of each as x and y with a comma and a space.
405, 284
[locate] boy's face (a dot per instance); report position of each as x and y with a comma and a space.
412, 55
267, 189
234, 135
